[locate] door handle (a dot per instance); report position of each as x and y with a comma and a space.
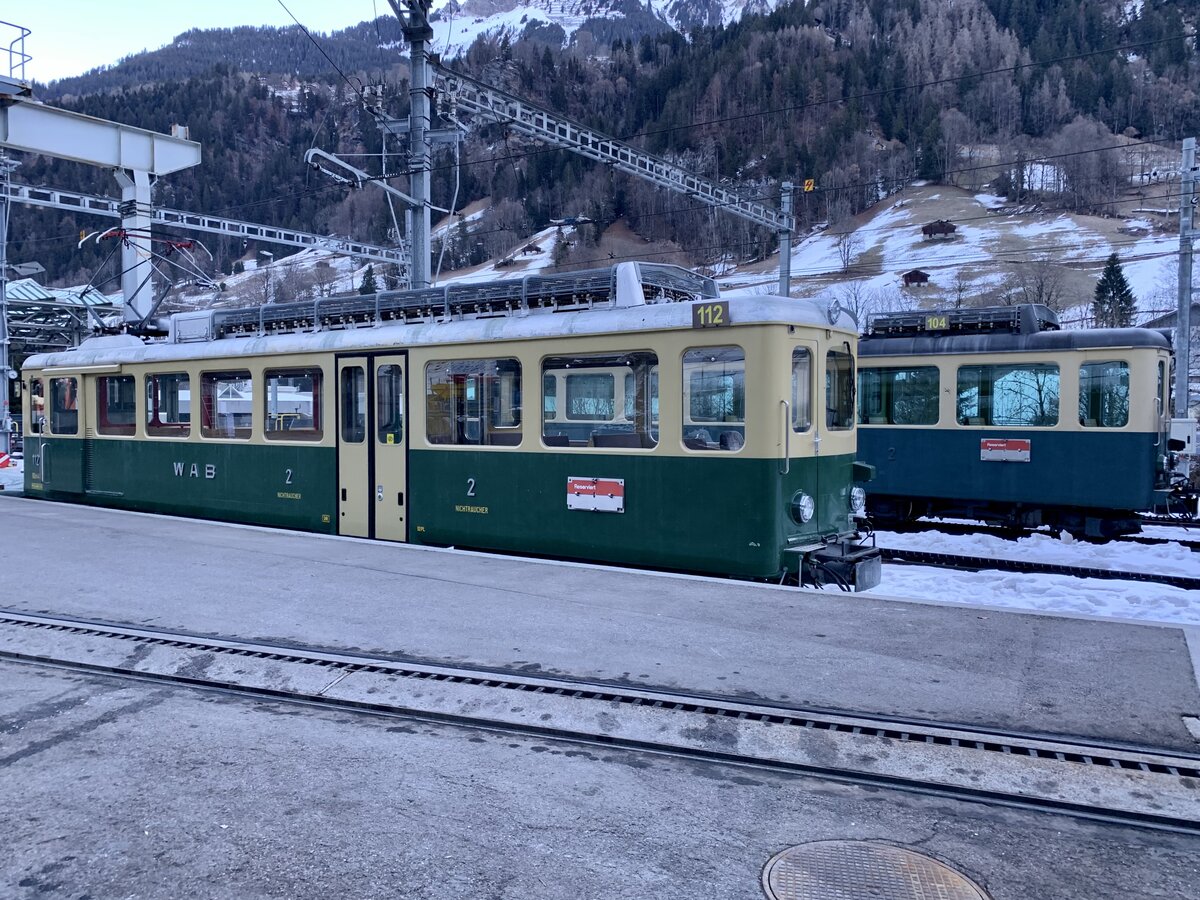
787, 437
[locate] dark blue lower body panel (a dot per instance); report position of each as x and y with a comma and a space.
1102, 472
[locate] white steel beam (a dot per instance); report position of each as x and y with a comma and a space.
481, 99
110, 208
37, 128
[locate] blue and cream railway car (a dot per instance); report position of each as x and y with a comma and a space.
626, 415
996, 414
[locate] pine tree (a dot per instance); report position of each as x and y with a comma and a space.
368, 282
1113, 305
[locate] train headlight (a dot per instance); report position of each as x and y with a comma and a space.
858, 500
803, 507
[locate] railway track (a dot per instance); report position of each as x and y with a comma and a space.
1176, 521
1108, 782
982, 563
1013, 534
1150, 540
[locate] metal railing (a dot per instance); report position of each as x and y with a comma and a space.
17, 57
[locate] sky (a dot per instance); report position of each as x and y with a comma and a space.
68, 37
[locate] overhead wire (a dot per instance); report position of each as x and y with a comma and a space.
936, 82
773, 196
875, 271
792, 108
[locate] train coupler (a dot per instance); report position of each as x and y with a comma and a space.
851, 566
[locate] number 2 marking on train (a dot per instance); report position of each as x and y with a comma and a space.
470, 487
287, 477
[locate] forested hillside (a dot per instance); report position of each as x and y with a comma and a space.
863, 96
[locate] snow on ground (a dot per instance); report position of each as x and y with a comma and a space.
1048, 593
1167, 558
991, 240
1042, 593
12, 477
538, 256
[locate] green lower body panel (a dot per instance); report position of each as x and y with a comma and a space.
700, 514
724, 515
287, 486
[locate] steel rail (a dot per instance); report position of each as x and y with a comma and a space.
1177, 521
983, 563
1176, 765
1012, 533
887, 725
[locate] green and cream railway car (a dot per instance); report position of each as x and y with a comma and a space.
994, 413
625, 415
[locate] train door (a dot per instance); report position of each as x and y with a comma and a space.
60, 461
372, 447
802, 430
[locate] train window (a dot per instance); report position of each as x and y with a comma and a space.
293, 404
1021, 394
389, 404
354, 404
226, 404
607, 400
591, 396
898, 396
116, 411
801, 389
1104, 394
64, 412
168, 405
549, 396
839, 390
474, 402
1163, 393
36, 420
714, 398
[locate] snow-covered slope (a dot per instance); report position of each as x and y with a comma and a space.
998, 254
457, 24
684, 14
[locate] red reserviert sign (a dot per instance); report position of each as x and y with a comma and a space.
596, 494
1005, 449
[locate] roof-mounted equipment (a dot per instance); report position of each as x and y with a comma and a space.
620, 285
1025, 318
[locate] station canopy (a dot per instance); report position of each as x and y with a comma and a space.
42, 319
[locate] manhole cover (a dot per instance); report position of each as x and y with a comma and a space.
858, 870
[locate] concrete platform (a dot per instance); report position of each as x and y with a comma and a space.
1019, 671
111, 788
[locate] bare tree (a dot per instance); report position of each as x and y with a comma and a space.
961, 289
325, 277
856, 300
849, 244
1039, 281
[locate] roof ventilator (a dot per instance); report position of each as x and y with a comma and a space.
623, 284
1024, 318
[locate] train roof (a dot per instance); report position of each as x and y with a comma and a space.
631, 308
1021, 328
1041, 341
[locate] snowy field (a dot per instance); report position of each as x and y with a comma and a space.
1050, 593
889, 240
1042, 593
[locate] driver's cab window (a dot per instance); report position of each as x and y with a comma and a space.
839, 390
35, 418
64, 405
